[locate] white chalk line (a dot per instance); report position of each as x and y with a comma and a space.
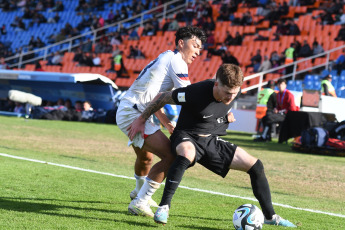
184, 187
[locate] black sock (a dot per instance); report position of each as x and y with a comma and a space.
261, 189
174, 178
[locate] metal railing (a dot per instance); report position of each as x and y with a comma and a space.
294, 73
163, 11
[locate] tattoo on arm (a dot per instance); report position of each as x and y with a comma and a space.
158, 102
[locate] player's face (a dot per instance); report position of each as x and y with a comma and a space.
190, 49
225, 94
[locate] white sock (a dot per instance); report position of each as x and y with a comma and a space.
139, 182
148, 189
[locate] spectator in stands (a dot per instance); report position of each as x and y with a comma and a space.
265, 65
77, 55
3, 29
116, 51
290, 57
59, 7
292, 28
88, 114
338, 64
118, 64
38, 66
189, 14
211, 41
56, 59
219, 51
111, 17
340, 17
341, 34
133, 34
3, 64
116, 39
228, 38
305, 50
237, 41
54, 19
255, 60
229, 58
86, 46
283, 9
148, 30
326, 86
173, 26
317, 48
32, 42
285, 103
96, 60
246, 19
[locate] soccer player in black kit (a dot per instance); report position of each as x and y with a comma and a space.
205, 115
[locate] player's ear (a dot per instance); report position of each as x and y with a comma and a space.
180, 43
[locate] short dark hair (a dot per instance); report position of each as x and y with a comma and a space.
281, 80
188, 32
230, 75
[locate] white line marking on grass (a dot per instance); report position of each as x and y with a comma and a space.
184, 187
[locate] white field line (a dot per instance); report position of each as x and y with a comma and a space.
184, 187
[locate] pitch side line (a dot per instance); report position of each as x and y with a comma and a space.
188, 188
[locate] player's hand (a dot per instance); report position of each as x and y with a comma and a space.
275, 110
138, 126
231, 117
170, 127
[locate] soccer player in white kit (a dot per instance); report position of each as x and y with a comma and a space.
168, 71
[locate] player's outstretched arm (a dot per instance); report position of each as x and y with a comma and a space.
162, 117
138, 125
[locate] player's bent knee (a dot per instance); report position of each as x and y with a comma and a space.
187, 150
257, 169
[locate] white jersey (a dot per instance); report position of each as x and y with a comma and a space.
166, 72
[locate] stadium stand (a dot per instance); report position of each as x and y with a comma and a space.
257, 35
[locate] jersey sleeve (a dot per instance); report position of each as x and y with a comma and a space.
178, 72
184, 95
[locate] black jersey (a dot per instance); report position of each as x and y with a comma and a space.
200, 112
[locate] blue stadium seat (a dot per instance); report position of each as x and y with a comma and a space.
324, 72
299, 85
308, 78
317, 85
308, 85
291, 85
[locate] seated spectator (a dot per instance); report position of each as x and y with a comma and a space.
340, 17
255, 60
317, 48
246, 19
228, 38
173, 26
39, 42
218, 51
54, 19
285, 102
56, 59
210, 42
265, 65
305, 50
3, 29
292, 28
135, 53
229, 58
38, 66
86, 47
338, 64
3, 64
96, 60
88, 114
341, 34
77, 55
133, 35
237, 41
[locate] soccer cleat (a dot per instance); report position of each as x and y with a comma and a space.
136, 207
277, 220
162, 214
151, 202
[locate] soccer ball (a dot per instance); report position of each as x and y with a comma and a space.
248, 217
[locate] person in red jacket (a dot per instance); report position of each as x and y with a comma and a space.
285, 103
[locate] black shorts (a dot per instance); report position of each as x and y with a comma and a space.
212, 152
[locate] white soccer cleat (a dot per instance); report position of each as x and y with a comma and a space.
277, 220
162, 214
139, 208
151, 202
